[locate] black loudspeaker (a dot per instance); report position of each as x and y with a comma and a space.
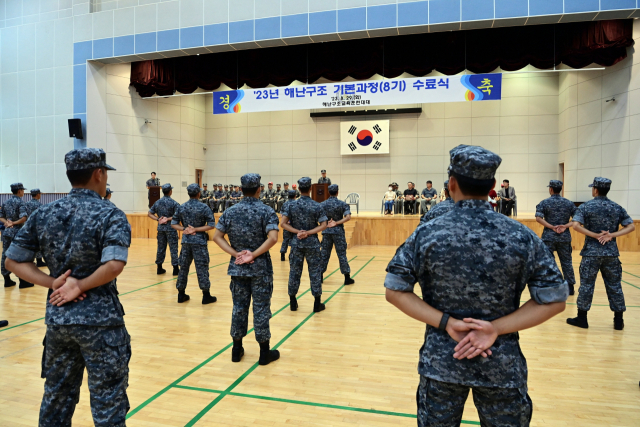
75, 129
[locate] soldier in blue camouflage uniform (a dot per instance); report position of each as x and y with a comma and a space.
194, 220
13, 214
225, 198
286, 235
85, 242
32, 206
270, 196
204, 193
163, 211
307, 220
441, 208
234, 197
216, 199
338, 212
278, 195
107, 196
284, 196
473, 265
554, 214
252, 228
599, 220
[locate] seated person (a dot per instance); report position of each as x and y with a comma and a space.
428, 198
389, 198
410, 199
508, 196
399, 199
493, 199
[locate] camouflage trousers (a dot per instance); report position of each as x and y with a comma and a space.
286, 241
105, 352
611, 270
328, 240
441, 404
199, 254
164, 237
230, 203
314, 265
214, 205
564, 254
243, 289
6, 242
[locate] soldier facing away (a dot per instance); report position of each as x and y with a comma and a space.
554, 214
287, 235
194, 219
163, 211
472, 265
85, 242
13, 214
32, 206
441, 208
599, 220
338, 212
252, 228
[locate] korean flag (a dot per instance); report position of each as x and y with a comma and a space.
370, 137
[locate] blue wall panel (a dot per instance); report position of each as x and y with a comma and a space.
352, 19
476, 10
574, 6
617, 4
444, 11
415, 13
323, 22
168, 40
145, 42
294, 25
511, 8
82, 51
267, 28
103, 48
240, 31
124, 45
381, 16
79, 89
191, 37
545, 7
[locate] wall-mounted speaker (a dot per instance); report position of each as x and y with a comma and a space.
75, 129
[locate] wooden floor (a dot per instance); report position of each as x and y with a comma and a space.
353, 364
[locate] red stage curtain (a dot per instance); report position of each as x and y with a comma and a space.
479, 51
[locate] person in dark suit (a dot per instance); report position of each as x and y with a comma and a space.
508, 196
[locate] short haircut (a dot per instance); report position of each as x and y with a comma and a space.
249, 191
15, 191
429, 182
292, 196
333, 193
474, 187
603, 191
153, 173
80, 177
505, 180
304, 189
165, 192
556, 190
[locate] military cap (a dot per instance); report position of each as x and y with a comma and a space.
204, 185
193, 189
250, 180
109, 191
270, 182
226, 186
304, 182
262, 185
35, 191
333, 187
17, 186
395, 183
167, 186
291, 193
278, 185
446, 185
473, 162
86, 158
555, 183
600, 182
323, 171
294, 186
286, 183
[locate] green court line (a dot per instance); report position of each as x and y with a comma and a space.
182, 378
229, 389
630, 284
631, 274
143, 265
21, 324
361, 293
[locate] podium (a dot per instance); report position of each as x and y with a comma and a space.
154, 195
319, 192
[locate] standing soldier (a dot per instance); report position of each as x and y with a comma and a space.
152, 182
441, 208
13, 214
163, 211
599, 220
286, 235
555, 215
473, 264
252, 229
270, 196
323, 179
307, 220
194, 220
85, 242
338, 212
32, 206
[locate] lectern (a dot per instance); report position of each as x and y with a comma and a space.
319, 192
154, 195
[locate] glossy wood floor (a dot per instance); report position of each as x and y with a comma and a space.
353, 364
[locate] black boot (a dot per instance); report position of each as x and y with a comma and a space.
318, 306
207, 298
618, 323
348, 280
24, 284
237, 352
8, 282
572, 291
182, 297
293, 303
266, 355
580, 321
161, 270
322, 278
176, 270
3, 323
281, 256
40, 263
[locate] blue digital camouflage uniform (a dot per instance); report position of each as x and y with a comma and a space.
81, 232
597, 215
194, 247
32, 206
335, 209
230, 202
474, 262
166, 207
440, 209
13, 209
215, 204
247, 225
305, 214
557, 210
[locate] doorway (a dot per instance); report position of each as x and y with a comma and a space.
199, 177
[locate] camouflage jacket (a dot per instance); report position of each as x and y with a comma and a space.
556, 210
165, 207
194, 213
600, 214
13, 209
304, 214
335, 209
438, 210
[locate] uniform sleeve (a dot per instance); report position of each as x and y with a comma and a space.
22, 211
117, 238
401, 272
540, 210
223, 223
625, 219
578, 216
347, 210
273, 223
2, 213
154, 209
286, 210
321, 215
545, 281
177, 216
25, 244
208, 216
424, 218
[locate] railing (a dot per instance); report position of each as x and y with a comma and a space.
46, 197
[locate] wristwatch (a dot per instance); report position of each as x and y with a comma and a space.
444, 321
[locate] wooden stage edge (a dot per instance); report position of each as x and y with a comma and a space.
368, 228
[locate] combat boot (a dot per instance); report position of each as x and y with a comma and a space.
580, 321
572, 291
40, 263
348, 280
266, 355
281, 256
176, 270
618, 322
8, 282
237, 351
293, 303
3, 323
182, 297
318, 306
207, 298
24, 284
161, 270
